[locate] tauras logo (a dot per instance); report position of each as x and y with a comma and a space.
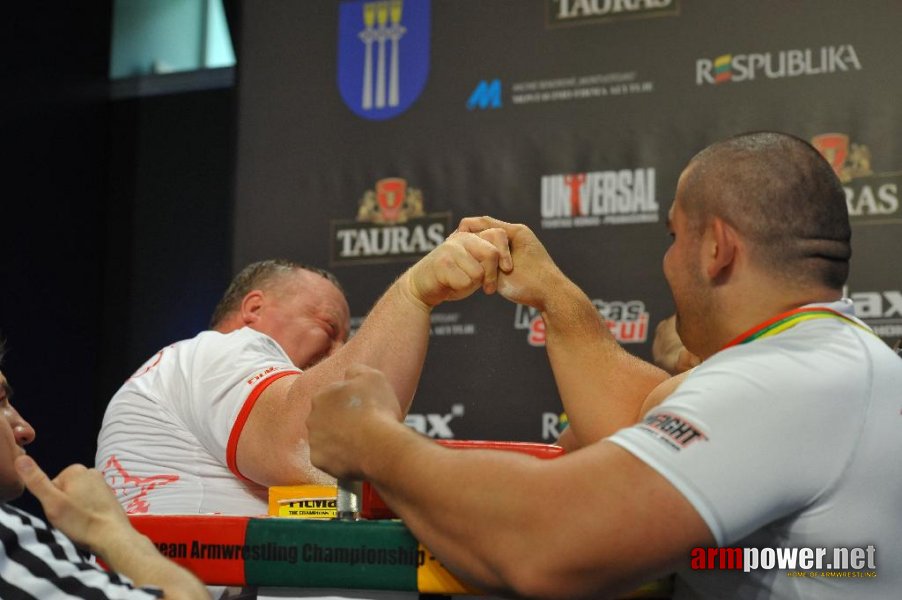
580, 11
777, 65
872, 198
599, 197
391, 225
627, 321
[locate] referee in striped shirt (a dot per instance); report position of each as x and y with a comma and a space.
41, 561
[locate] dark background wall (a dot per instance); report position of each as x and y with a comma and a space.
583, 96
55, 146
167, 255
115, 222
118, 222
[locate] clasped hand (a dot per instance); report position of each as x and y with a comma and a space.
353, 418
485, 252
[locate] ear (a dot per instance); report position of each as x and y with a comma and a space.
721, 250
250, 306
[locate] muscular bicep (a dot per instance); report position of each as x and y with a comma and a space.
626, 523
597, 522
270, 446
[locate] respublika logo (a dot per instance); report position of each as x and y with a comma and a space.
872, 198
487, 94
569, 12
553, 425
881, 310
776, 65
599, 198
383, 55
627, 321
391, 225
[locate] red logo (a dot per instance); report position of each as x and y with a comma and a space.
574, 182
390, 194
124, 484
834, 147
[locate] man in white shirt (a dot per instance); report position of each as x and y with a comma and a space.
207, 424
782, 440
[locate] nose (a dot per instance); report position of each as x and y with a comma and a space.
22, 429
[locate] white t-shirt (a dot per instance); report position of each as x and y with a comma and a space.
169, 436
788, 441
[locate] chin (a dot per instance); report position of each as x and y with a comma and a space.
10, 491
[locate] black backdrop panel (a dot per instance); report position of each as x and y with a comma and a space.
577, 125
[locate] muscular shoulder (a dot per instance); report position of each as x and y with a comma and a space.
772, 389
822, 363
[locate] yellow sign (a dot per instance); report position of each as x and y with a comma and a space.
303, 501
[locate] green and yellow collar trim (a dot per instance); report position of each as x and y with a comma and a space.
790, 319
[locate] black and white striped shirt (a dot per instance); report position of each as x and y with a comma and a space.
39, 562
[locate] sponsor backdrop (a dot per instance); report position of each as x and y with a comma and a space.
367, 130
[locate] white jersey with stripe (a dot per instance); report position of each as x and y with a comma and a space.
169, 437
789, 441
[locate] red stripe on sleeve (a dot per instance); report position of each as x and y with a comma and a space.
232, 446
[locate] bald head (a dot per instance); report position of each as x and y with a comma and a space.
781, 195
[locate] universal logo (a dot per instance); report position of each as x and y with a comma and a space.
391, 226
599, 198
584, 12
872, 198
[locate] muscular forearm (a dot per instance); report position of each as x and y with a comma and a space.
492, 519
460, 516
135, 556
395, 334
601, 385
495, 518
393, 338
272, 449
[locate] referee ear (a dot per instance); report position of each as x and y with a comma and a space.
251, 305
